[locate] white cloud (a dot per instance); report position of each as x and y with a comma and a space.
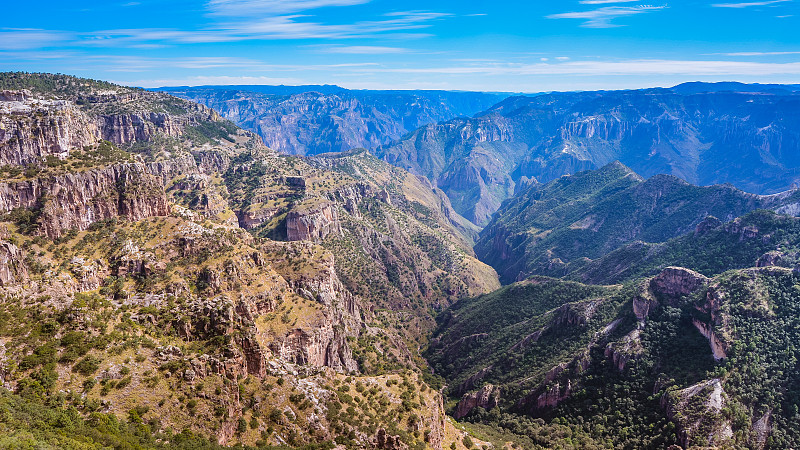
246, 8
394, 26
760, 53
363, 49
30, 38
604, 2
748, 4
602, 17
212, 80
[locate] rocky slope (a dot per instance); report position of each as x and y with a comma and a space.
52, 116
674, 359
688, 131
141, 288
558, 227
309, 120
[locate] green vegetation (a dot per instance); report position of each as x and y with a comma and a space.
62, 86
549, 227
735, 245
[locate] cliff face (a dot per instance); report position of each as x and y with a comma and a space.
33, 125
698, 411
313, 224
76, 200
486, 398
31, 129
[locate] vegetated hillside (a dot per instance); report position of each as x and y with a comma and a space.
760, 238
675, 359
696, 132
309, 120
554, 228
402, 245
135, 303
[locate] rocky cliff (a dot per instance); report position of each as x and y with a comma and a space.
33, 125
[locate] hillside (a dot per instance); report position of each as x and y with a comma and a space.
689, 131
309, 120
675, 359
163, 271
554, 228
760, 238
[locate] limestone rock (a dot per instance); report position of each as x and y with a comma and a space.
12, 266
707, 224
385, 441
771, 258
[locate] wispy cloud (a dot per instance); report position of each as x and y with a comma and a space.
604, 2
363, 49
602, 17
245, 8
116, 63
760, 53
748, 4
31, 38
213, 80
282, 27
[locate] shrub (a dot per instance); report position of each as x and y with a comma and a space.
87, 366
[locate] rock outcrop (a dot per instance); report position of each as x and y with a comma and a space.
32, 128
320, 347
675, 282
697, 410
486, 398
12, 266
312, 224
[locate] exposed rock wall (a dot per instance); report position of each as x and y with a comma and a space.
697, 410
31, 130
717, 346
12, 267
313, 224
76, 200
486, 398
675, 282
320, 347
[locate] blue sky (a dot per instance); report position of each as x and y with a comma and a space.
520, 46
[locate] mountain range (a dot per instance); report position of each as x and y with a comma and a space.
480, 153
309, 120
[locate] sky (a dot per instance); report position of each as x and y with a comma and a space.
500, 45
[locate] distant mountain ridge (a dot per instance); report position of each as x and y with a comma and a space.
748, 139
309, 120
